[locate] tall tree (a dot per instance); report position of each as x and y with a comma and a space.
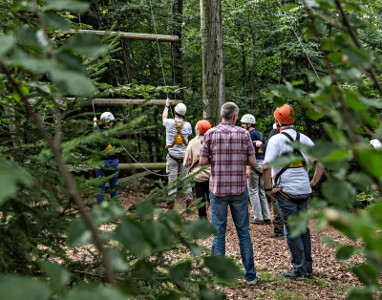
212, 57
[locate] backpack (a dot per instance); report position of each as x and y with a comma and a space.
298, 164
178, 139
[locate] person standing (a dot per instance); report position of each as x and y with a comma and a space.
191, 161
278, 227
291, 187
255, 180
109, 160
228, 148
177, 132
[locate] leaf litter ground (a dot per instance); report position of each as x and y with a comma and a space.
332, 278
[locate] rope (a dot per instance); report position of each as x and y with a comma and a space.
298, 39
144, 168
159, 51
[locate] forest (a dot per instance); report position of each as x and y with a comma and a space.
63, 63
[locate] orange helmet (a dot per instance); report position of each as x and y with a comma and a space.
284, 114
203, 126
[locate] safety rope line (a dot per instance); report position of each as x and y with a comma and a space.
156, 37
144, 168
298, 38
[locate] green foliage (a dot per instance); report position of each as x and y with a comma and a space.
338, 104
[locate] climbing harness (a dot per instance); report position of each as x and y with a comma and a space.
178, 138
299, 164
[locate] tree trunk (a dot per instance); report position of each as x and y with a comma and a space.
212, 59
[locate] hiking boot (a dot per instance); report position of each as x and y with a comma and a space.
257, 222
253, 282
279, 236
291, 274
267, 222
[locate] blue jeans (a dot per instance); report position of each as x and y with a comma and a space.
299, 246
109, 168
238, 205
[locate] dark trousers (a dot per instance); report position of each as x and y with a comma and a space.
202, 193
278, 227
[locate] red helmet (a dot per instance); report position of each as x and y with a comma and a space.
284, 114
203, 126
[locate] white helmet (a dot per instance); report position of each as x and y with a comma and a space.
248, 119
180, 109
107, 117
376, 144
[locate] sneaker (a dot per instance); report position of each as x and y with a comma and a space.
279, 236
267, 222
258, 222
253, 282
291, 274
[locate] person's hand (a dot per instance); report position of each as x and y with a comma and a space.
247, 171
272, 193
168, 102
259, 143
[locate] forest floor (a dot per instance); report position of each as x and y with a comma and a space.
332, 278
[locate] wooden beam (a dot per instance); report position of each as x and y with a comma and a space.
128, 35
142, 166
120, 102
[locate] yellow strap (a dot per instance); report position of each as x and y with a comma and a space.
178, 129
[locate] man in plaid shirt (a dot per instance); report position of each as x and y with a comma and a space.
228, 148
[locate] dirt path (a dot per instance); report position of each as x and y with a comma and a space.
332, 278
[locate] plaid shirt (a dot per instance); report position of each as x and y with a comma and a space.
228, 148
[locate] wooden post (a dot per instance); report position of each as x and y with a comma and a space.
128, 35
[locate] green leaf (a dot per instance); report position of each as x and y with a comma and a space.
198, 229
222, 267
17, 288
107, 211
338, 192
360, 179
207, 294
345, 252
78, 233
6, 43
160, 235
133, 236
11, 175
75, 6
314, 115
360, 294
85, 44
117, 261
181, 271
72, 83
367, 274
93, 292
56, 21
289, 7
58, 275
371, 161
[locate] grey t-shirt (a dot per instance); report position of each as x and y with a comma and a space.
177, 151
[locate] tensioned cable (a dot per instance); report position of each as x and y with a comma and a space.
298, 38
143, 167
172, 45
159, 51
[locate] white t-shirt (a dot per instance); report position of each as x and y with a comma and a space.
294, 181
176, 151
